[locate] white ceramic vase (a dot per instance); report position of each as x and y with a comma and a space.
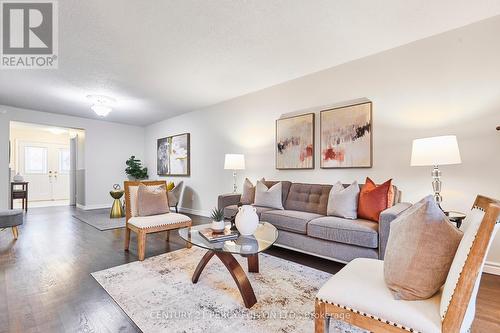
247, 220
217, 226
18, 178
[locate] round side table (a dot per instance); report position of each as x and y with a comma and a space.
456, 217
117, 208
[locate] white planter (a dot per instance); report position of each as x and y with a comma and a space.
247, 220
217, 226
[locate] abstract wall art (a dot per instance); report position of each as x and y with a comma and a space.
173, 155
295, 142
346, 136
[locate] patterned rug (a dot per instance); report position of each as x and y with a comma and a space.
157, 294
99, 219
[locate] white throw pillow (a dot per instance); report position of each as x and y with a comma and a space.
343, 202
471, 226
268, 197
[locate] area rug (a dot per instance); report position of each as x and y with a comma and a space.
158, 295
99, 218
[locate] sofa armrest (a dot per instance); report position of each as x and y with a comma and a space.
228, 200
384, 225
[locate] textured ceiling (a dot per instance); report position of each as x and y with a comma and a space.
160, 58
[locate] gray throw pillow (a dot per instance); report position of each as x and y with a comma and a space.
343, 202
421, 247
268, 197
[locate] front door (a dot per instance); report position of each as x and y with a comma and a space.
46, 167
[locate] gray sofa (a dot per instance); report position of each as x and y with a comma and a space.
303, 225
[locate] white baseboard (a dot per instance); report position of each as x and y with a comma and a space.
492, 268
91, 207
194, 211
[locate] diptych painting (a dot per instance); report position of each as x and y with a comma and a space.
173, 155
295, 142
346, 137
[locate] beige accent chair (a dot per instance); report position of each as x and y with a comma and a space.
358, 295
174, 196
143, 225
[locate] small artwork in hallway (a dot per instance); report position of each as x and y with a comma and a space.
173, 155
346, 137
295, 142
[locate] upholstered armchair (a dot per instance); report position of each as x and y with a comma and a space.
359, 296
174, 196
143, 225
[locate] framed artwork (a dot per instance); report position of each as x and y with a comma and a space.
173, 155
295, 142
346, 137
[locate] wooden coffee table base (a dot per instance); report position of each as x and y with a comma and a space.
236, 271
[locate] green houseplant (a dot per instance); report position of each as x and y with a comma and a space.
217, 220
135, 170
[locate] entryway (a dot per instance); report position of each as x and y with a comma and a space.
45, 157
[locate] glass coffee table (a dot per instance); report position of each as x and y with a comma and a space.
245, 246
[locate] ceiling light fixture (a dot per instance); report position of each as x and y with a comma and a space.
101, 110
101, 104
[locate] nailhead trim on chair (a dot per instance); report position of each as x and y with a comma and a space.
371, 316
161, 225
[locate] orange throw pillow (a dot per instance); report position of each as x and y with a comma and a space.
373, 199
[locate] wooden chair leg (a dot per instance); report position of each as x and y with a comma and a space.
141, 245
15, 232
176, 209
168, 236
127, 238
321, 320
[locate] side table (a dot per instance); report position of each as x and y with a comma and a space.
117, 208
456, 217
19, 190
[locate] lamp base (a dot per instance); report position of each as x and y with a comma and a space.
436, 185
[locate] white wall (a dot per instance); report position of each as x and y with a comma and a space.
446, 84
107, 147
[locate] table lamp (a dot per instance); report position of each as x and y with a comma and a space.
436, 151
234, 162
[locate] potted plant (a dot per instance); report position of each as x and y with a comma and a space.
217, 220
134, 169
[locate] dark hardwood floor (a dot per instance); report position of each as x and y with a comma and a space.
45, 282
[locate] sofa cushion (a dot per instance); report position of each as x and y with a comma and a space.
229, 211
248, 193
312, 198
343, 201
285, 187
269, 196
291, 220
356, 232
373, 199
153, 221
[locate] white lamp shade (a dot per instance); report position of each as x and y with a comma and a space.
234, 162
438, 150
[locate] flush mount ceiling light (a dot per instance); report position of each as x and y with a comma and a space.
101, 104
